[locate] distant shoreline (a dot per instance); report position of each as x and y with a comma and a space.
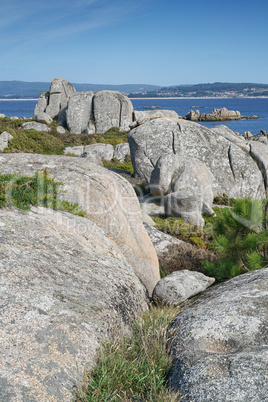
204, 97
21, 99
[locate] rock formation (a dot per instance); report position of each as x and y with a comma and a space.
235, 172
220, 343
222, 114
4, 138
85, 112
180, 286
65, 289
108, 200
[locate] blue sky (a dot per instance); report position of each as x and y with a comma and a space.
139, 41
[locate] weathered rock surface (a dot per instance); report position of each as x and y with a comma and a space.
36, 126
180, 286
65, 288
185, 184
227, 133
220, 343
162, 242
235, 172
85, 112
192, 115
4, 138
79, 114
43, 117
153, 206
141, 116
221, 114
259, 153
103, 151
112, 109
59, 94
76, 151
41, 105
106, 197
2, 116
121, 151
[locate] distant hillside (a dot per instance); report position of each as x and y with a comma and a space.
217, 89
22, 89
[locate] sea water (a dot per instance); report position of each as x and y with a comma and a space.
246, 106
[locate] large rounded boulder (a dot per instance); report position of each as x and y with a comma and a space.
236, 173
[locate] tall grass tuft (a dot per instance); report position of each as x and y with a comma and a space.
135, 368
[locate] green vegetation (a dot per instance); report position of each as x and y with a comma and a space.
115, 164
240, 239
53, 143
40, 190
134, 368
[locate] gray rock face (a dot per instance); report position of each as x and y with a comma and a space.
42, 117
65, 288
121, 151
259, 153
235, 172
36, 126
112, 109
79, 113
192, 115
141, 116
185, 184
41, 104
103, 151
227, 133
180, 286
220, 347
4, 138
162, 242
60, 92
108, 200
76, 151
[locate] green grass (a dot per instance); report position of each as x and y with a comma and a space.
32, 141
39, 190
115, 164
134, 368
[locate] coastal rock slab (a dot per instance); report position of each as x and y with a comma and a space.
112, 109
235, 172
220, 342
79, 115
141, 116
65, 289
106, 197
227, 133
180, 286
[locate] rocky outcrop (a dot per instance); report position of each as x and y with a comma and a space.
219, 343
185, 185
65, 289
100, 150
141, 116
108, 200
227, 133
235, 172
112, 109
222, 114
181, 285
79, 113
85, 112
4, 138
59, 94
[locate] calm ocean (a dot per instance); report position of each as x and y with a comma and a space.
247, 107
